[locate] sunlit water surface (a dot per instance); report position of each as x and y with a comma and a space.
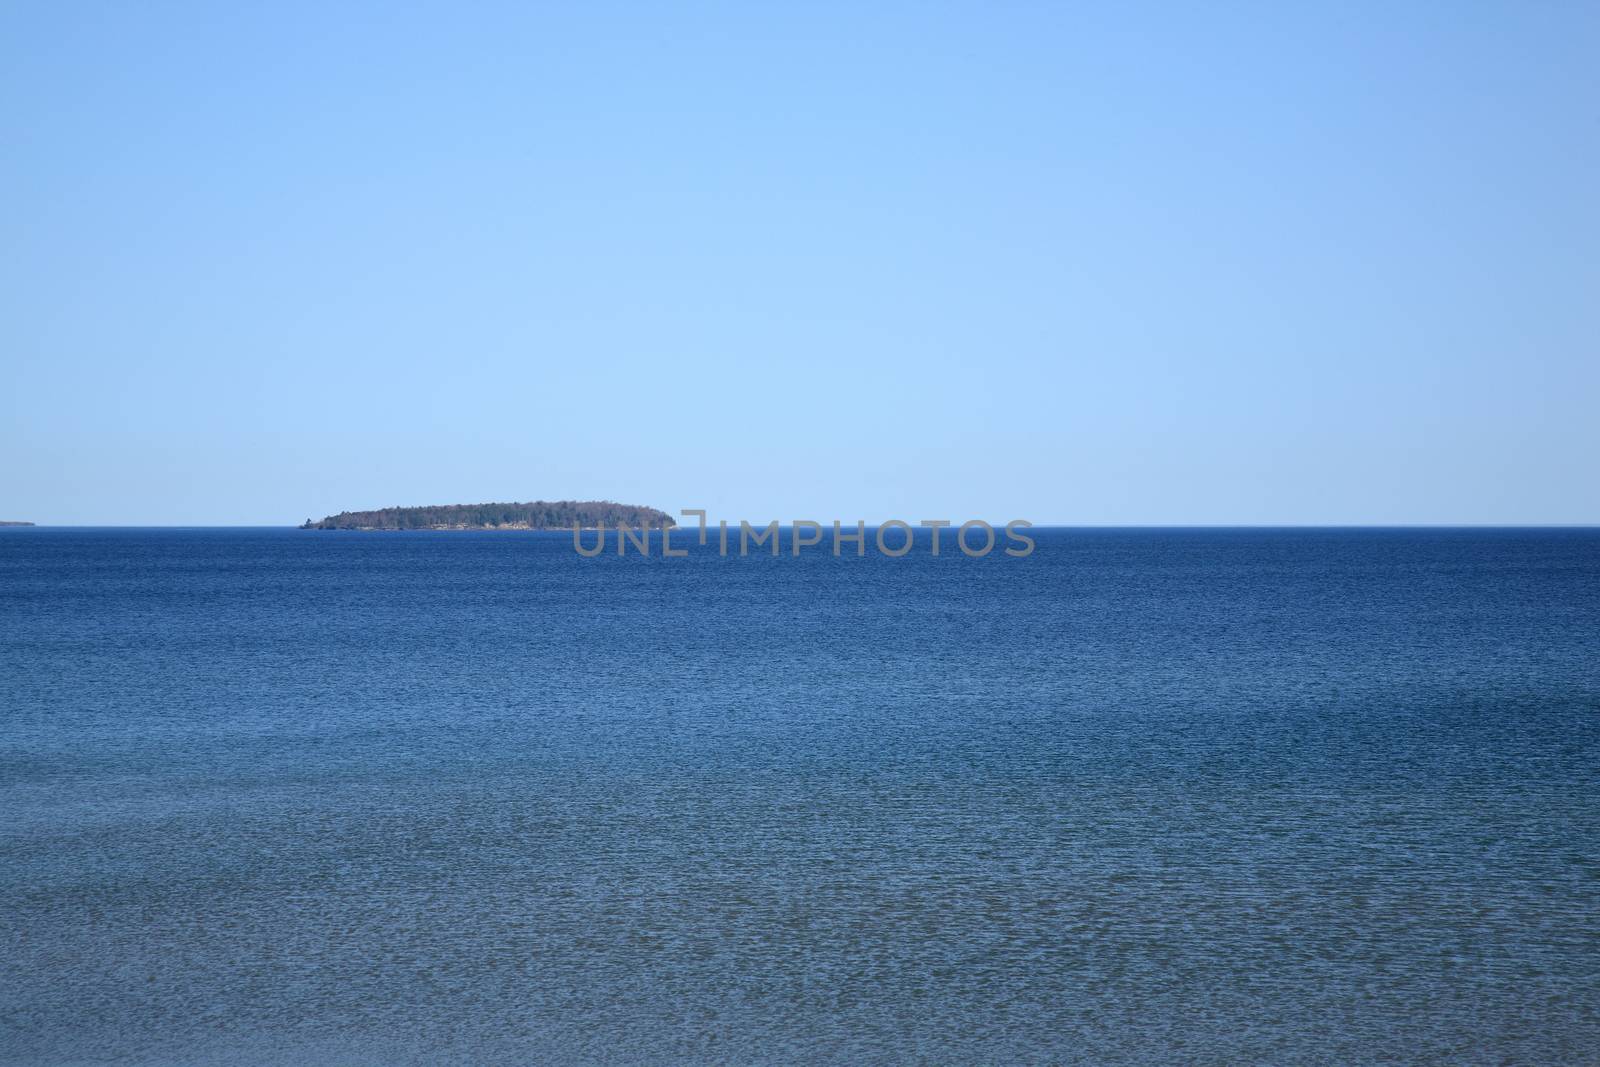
1143, 797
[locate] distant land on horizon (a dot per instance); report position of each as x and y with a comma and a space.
537, 515
6, 522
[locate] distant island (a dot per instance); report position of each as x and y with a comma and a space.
538, 515
3, 522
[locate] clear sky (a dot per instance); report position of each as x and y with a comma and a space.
1077, 263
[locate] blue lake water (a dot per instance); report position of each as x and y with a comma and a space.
1143, 797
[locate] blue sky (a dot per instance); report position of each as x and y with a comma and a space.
1111, 263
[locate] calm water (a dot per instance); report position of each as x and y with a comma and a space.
1211, 797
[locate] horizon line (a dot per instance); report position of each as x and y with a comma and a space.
1499, 525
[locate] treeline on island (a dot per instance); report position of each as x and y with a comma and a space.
538, 515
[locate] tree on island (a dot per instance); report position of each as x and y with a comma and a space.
537, 515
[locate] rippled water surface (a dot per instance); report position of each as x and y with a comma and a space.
1215, 797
